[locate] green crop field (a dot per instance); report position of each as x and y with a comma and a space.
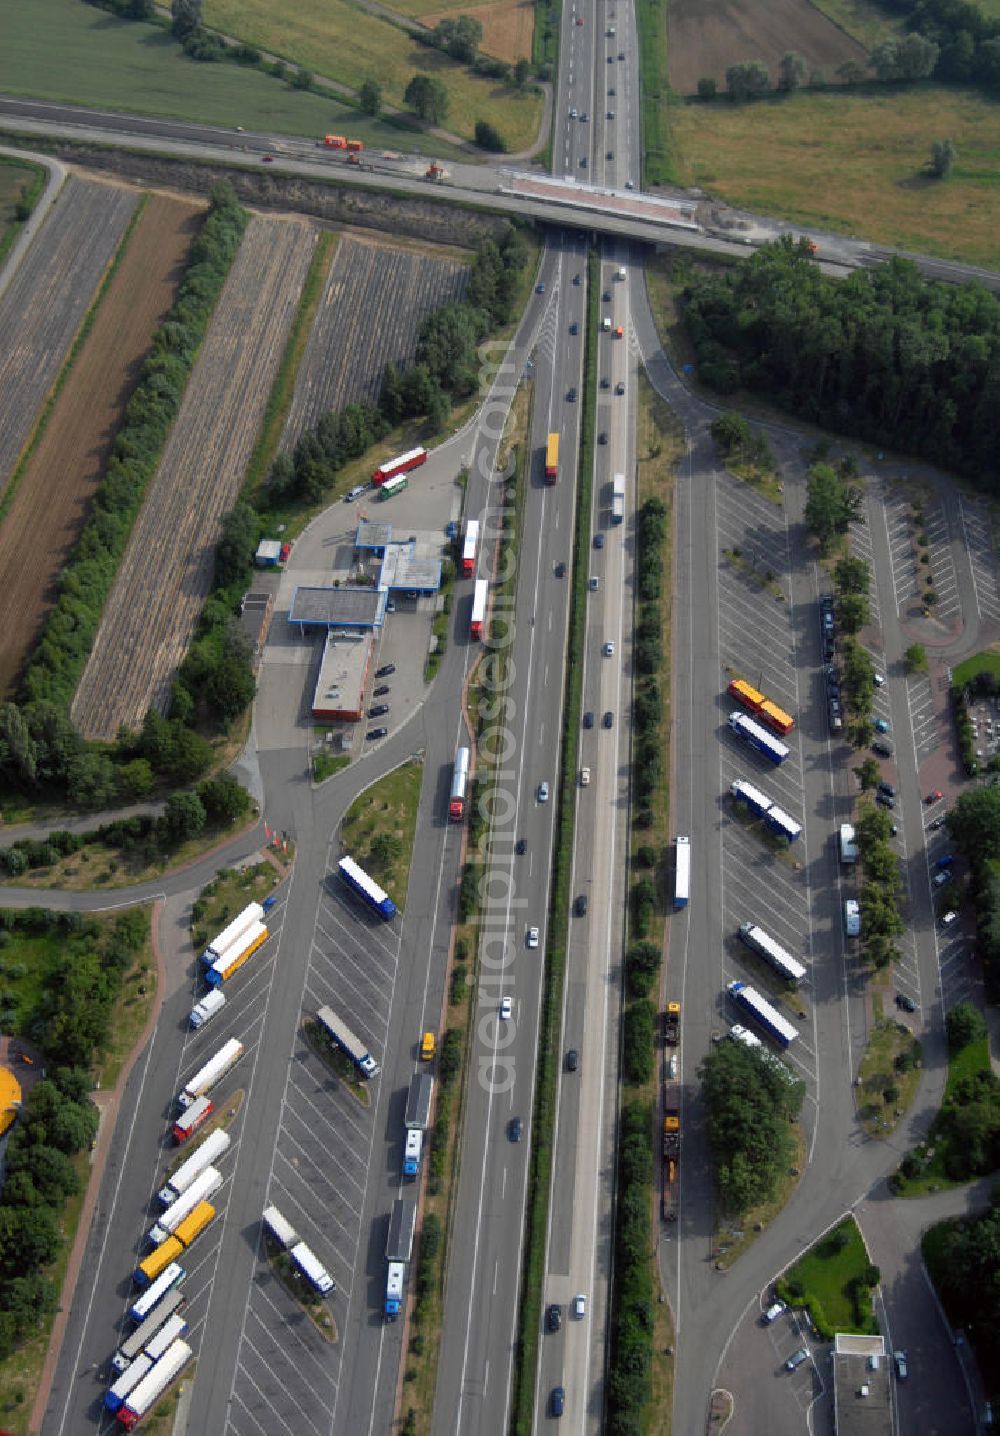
337, 39
855, 163
67, 50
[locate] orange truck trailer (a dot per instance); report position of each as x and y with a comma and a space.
760, 705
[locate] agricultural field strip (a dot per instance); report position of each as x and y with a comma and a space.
42, 308
350, 343
167, 568
51, 502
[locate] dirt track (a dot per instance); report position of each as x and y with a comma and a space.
165, 575
52, 499
707, 36
353, 338
43, 306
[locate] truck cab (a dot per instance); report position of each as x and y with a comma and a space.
413, 1153
428, 1047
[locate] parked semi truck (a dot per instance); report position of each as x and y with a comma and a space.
418, 1111
149, 1390
205, 1185
618, 499
214, 1145
212, 1073
398, 1250
342, 1036
312, 1268
480, 598
672, 1024
254, 912
209, 1006
228, 963
671, 1147
469, 547
192, 1118
169, 1306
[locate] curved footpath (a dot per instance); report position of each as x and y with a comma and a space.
57, 177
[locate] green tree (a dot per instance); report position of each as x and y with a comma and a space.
854, 612
135, 780
370, 97
707, 88
965, 1024
747, 80
230, 688
302, 79
224, 799
852, 575
851, 73
427, 97
385, 848
459, 36
731, 432
915, 658
943, 157
18, 749
488, 137
521, 73
792, 71
974, 823
237, 544
185, 17
183, 817
830, 505
639, 1041
913, 57
868, 774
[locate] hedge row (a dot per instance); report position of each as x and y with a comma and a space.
629, 1382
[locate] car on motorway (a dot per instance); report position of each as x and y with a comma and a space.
583, 162
521, 847
574, 328
579, 19
629, 184
532, 937
571, 396
385, 670
598, 540
267, 159
588, 719
611, 90
948, 918
606, 296
543, 792
581, 905
608, 721
540, 288
595, 583
557, 1401
576, 279
580, 1305
887, 789
796, 1359
611, 59
605, 382
584, 118
852, 918
937, 823
620, 387
506, 1008
609, 649
553, 1317
560, 569
899, 1361
621, 54
610, 155
611, 114
515, 1129
572, 1060
884, 801
378, 711
381, 690
585, 777
602, 437
907, 1004
574, 113
882, 748
882, 725
374, 733
776, 1309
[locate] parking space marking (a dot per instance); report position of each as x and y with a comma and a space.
942, 565
896, 515
236, 1429
977, 528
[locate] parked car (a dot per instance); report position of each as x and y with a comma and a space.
884, 801
934, 797
946, 860
852, 918
515, 1129
374, 733
906, 1003
949, 918
286, 549
882, 725
940, 879
378, 710
796, 1359
882, 748
381, 691
878, 678
776, 1309
385, 670
887, 789
937, 823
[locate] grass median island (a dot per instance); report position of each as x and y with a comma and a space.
964, 674
379, 827
225, 897
888, 1075
834, 1282
324, 765
300, 1288
342, 1067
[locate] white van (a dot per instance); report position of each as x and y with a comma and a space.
852, 918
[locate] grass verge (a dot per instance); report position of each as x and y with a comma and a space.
654, 89
964, 674
379, 826
299, 1288
324, 765
549, 1045
888, 1075
227, 894
52, 398
137, 993
21, 184
923, 1169
730, 1243
834, 1282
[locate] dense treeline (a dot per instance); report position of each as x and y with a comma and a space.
968, 40
629, 1384
651, 531
751, 1103
974, 824
964, 1261
883, 354
39, 747
70, 1024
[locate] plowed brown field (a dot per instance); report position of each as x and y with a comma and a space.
44, 304
51, 502
375, 299
707, 36
507, 28
166, 572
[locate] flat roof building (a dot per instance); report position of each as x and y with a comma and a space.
337, 608
373, 535
402, 569
862, 1386
255, 619
343, 672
